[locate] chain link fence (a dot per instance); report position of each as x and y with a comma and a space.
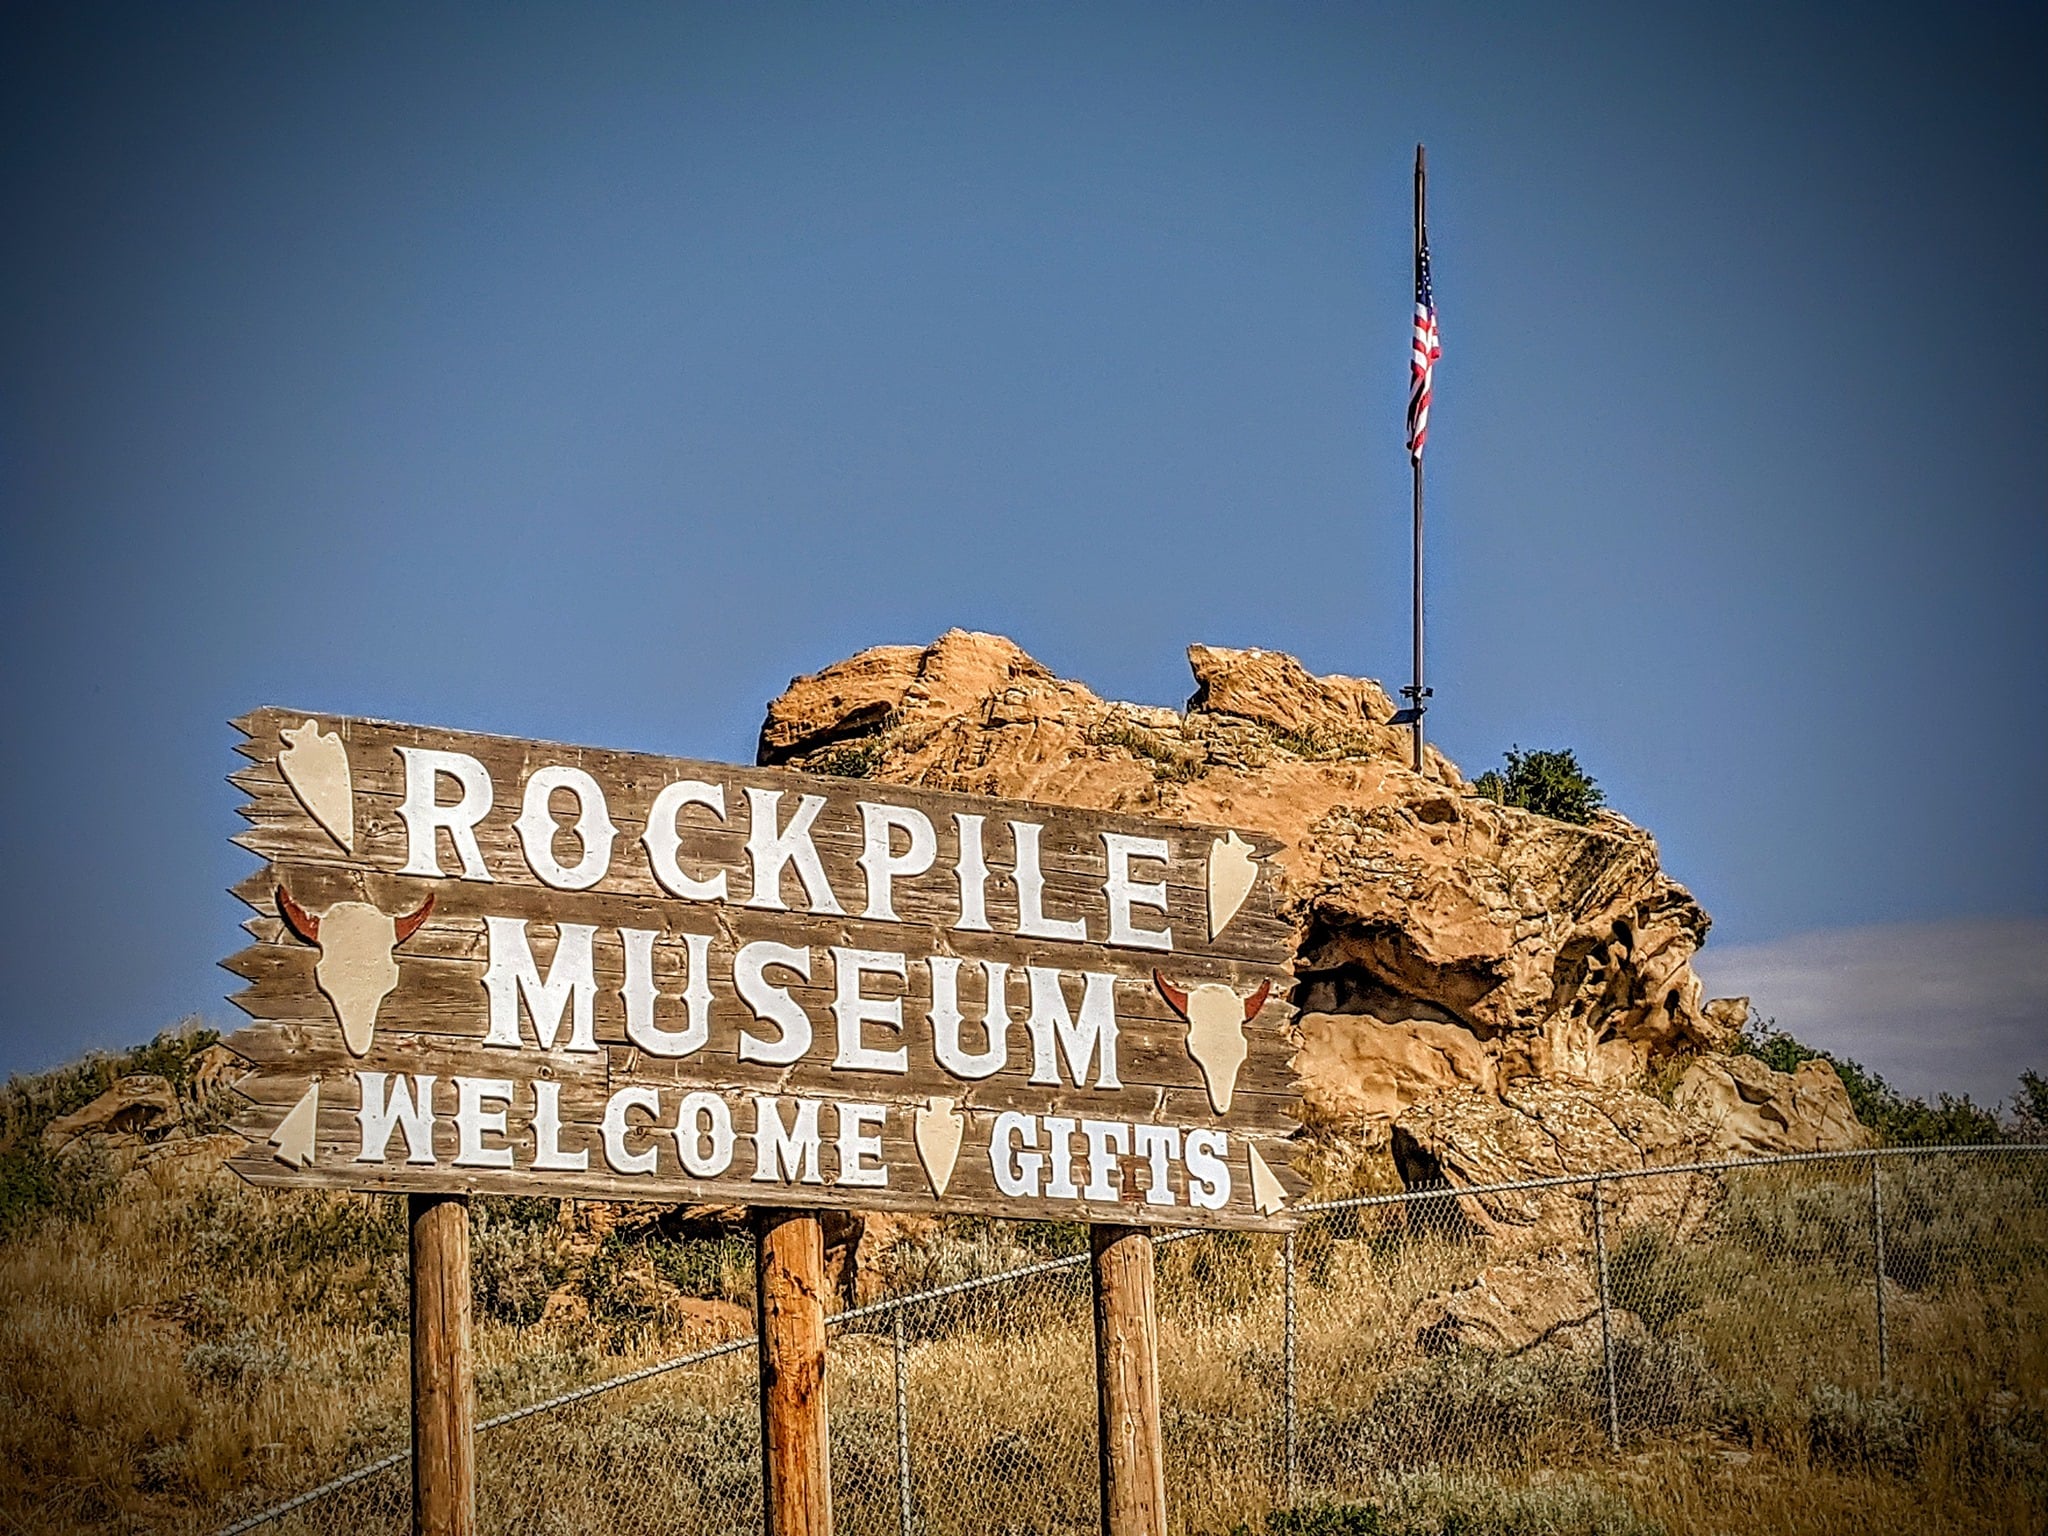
1878, 1315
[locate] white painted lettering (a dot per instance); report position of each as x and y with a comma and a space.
594, 830
1032, 922
704, 1135
662, 838
772, 1004
1157, 1144
472, 1120
1059, 1182
769, 851
972, 872
410, 1108
851, 1009
1208, 1170
548, 1155
616, 1128
882, 866
857, 1145
423, 815
641, 994
1105, 1138
1017, 1172
1123, 892
946, 1019
779, 1150
512, 975
1078, 1039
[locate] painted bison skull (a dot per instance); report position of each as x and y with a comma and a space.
356, 968
1216, 1018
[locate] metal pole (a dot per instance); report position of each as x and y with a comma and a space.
902, 1428
1606, 1323
1417, 694
1289, 1441
1884, 1372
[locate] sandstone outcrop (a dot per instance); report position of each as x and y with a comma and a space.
1489, 983
137, 1108
1751, 1111
1555, 949
1510, 1308
1532, 1130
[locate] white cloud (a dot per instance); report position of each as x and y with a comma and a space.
1957, 1007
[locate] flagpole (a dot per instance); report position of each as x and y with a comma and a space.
1417, 694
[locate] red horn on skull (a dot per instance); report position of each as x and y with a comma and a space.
1257, 1000
1176, 999
297, 918
408, 925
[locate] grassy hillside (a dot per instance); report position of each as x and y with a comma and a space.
176, 1348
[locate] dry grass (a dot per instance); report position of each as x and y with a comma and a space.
194, 1350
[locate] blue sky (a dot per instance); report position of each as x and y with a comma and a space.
585, 373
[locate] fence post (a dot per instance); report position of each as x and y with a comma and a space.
1884, 1372
1289, 1443
902, 1428
1606, 1323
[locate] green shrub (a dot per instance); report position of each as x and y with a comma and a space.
1171, 763
1653, 1277
1549, 783
855, 759
2030, 1107
1852, 1430
721, 1266
1895, 1119
516, 1258
34, 1183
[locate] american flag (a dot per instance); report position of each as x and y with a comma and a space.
1426, 348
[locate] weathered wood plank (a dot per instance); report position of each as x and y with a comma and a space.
369, 956
283, 835
445, 1000
374, 761
972, 1186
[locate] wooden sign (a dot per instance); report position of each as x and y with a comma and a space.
486, 965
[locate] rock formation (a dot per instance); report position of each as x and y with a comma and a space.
137, 1108
1751, 1111
1460, 961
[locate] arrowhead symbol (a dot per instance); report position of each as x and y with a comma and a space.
1268, 1194
1232, 874
315, 765
938, 1130
293, 1137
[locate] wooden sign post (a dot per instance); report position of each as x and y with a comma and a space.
1133, 1470
789, 1300
485, 965
443, 1370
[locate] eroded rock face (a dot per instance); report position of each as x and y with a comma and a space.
1355, 1069
1555, 949
1533, 1129
1510, 1308
137, 1108
1751, 1111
